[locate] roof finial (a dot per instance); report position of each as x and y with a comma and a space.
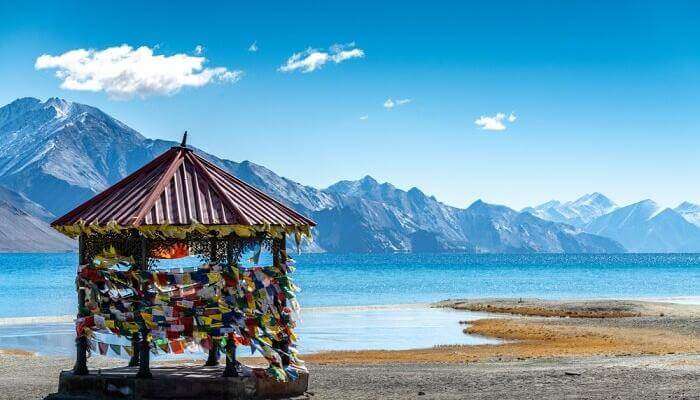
184, 140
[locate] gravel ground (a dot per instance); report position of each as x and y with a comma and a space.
28, 377
658, 377
648, 377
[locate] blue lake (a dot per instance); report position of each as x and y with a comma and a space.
333, 285
43, 284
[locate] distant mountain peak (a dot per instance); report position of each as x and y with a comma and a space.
368, 179
690, 212
688, 206
593, 199
362, 185
478, 203
57, 101
646, 203
414, 191
644, 209
577, 212
61, 106
666, 213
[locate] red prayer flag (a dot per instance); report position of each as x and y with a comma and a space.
177, 346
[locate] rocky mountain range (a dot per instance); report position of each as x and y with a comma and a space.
642, 227
54, 154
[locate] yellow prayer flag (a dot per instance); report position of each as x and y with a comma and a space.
214, 277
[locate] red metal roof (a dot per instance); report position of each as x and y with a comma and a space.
180, 188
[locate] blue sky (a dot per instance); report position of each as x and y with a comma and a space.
605, 96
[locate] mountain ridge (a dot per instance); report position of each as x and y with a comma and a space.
58, 153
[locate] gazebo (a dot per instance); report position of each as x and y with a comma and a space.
181, 204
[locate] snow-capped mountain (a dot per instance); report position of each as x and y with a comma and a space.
411, 220
397, 210
646, 227
689, 211
578, 212
58, 153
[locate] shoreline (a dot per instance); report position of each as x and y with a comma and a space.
69, 318
486, 326
513, 322
653, 354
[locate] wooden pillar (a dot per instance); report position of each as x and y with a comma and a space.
276, 245
136, 350
283, 250
136, 337
144, 347
81, 343
231, 369
279, 256
213, 358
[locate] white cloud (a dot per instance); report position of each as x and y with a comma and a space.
495, 123
311, 59
124, 72
364, 117
198, 50
389, 103
253, 48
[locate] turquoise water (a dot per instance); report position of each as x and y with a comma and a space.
340, 290
43, 284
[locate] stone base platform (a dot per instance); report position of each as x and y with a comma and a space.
176, 383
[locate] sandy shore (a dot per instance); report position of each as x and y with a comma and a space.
574, 349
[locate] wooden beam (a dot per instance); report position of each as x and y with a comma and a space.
136, 350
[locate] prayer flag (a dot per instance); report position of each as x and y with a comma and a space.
116, 348
177, 346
